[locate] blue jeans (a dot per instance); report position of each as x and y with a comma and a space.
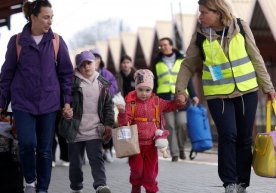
35, 136
234, 119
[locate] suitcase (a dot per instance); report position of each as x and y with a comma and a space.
264, 152
11, 176
198, 129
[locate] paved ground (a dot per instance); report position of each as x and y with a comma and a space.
197, 176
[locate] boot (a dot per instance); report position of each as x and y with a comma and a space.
136, 189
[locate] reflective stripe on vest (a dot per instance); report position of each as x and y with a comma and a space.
167, 78
238, 72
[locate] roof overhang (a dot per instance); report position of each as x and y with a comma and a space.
7, 8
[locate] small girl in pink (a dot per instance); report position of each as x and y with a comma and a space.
144, 166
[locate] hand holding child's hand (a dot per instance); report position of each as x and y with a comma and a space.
181, 99
121, 108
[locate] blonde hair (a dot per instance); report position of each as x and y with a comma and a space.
221, 7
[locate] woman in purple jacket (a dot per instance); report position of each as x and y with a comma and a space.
35, 82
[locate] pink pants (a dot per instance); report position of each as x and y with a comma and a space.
144, 169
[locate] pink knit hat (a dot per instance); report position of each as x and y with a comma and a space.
143, 77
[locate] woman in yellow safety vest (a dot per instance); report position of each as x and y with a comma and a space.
232, 72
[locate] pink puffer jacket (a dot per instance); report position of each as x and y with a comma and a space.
145, 109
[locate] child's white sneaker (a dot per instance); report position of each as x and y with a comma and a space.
108, 156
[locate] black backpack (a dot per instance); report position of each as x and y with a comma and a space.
11, 176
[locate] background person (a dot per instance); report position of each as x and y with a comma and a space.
35, 83
63, 146
233, 69
165, 69
125, 77
108, 156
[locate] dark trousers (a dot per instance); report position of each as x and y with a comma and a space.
35, 138
108, 146
234, 119
63, 145
94, 153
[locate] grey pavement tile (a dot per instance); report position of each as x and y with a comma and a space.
197, 176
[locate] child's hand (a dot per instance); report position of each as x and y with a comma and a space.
67, 112
121, 108
195, 100
107, 134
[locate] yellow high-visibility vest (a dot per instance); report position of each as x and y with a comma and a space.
166, 78
238, 71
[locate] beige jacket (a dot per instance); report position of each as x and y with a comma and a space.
193, 60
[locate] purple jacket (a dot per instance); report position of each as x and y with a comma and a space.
111, 78
34, 84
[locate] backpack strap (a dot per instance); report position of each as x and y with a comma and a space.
241, 27
157, 116
55, 45
199, 42
18, 46
145, 119
133, 108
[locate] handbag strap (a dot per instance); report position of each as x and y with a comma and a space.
268, 113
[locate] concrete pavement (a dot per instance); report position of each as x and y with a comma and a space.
197, 176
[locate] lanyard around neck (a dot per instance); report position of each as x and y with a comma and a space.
211, 46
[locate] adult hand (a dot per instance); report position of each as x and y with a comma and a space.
271, 95
181, 99
67, 111
121, 108
195, 100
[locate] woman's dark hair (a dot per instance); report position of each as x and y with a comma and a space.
30, 8
125, 57
168, 39
101, 65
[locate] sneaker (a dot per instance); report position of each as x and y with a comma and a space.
64, 163
182, 155
29, 189
103, 189
76, 191
231, 188
108, 156
241, 188
174, 158
53, 164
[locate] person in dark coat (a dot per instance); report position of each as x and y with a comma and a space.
108, 156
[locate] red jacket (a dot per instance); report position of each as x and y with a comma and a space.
146, 130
